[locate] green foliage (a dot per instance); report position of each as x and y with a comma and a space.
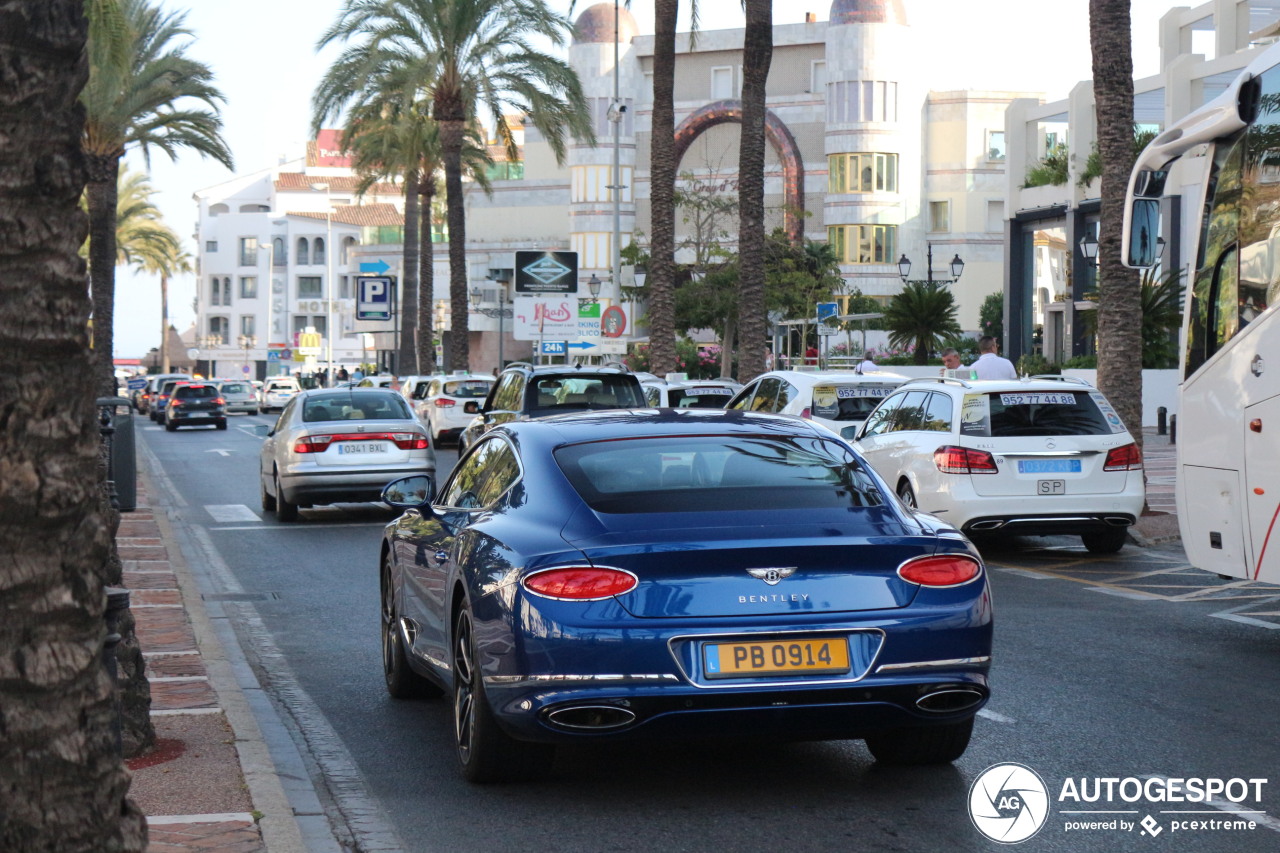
923, 317
1050, 171
991, 315
798, 277
860, 304
1081, 362
1034, 364
1161, 318
700, 361
1093, 166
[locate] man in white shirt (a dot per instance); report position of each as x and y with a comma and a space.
990, 365
867, 365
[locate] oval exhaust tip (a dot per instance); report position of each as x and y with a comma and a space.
596, 718
951, 700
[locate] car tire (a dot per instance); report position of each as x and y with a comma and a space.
916, 745
285, 511
170, 426
222, 424
402, 682
906, 495
485, 752
1107, 541
268, 502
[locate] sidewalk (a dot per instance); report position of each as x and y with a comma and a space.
1160, 522
193, 786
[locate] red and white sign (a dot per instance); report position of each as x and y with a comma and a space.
329, 149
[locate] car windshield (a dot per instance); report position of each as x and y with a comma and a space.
716, 473
364, 406
847, 402
234, 388
191, 392
600, 391
698, 398
475, 389
1004, 414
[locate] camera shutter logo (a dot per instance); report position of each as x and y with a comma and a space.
1008, 803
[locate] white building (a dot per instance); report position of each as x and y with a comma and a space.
883, 166
1202, 49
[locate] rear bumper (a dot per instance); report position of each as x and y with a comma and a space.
1048, 525
196, 418
326, 487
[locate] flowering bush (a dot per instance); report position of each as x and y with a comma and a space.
699, 361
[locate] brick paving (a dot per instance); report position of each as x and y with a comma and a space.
178, 679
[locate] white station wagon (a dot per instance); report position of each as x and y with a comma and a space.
1039, 456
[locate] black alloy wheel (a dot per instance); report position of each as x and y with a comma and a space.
402, 682
907, 496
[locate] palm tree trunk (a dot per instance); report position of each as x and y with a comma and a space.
64, 786
426, 277
662, 264
164, 319
1119, 292
757, 55
407, 359
727, 344
104, 172
452, 128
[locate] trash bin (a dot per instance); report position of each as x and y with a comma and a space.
118, 432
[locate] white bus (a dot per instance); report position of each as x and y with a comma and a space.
1228, 490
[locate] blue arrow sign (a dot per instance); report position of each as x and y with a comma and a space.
378, 267
582, 345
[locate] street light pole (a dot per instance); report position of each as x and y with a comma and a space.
328, 280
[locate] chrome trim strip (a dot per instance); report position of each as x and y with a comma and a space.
930, 664
1017, 453
637, 678
746, 637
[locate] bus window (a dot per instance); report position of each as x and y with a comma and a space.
1215, 287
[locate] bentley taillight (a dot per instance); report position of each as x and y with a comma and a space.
940, 570
580, 583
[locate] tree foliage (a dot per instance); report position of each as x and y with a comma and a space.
922, 316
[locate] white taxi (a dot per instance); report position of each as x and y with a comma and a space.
840, 400
678, 391
1039, 456
449, 402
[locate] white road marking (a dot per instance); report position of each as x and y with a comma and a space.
220, 451
304, 526
221, 817
1234, 614
1024, 573
231, 512
995, 717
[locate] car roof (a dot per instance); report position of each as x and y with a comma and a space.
566, 368
682, 384
606, 424
814, 377
989, 386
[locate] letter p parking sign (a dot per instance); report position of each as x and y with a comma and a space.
374, 301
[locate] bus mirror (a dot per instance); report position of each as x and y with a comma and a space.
1144, 228
1149, 183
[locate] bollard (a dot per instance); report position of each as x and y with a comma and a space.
118, 434
117, 601
1173, 429
1161, 414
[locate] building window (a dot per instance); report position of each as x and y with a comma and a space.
211, 245
594, 249
995, 216
248, 325
506, 170
591, 183
279, 252
348, 243
344, 287
248, 287
862, 100
220, 328
862, 173
309, 287
304, 252
317, 251
940, 216
248, 251
995, 145
722, 82
864, 244
220, 293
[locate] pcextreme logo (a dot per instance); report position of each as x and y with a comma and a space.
1008, 803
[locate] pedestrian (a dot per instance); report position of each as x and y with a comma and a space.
343, 375
990, 364
811, 355
867, 365
951, 363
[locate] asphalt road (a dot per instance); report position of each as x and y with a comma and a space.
1128, 667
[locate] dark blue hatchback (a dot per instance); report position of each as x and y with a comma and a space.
679, 574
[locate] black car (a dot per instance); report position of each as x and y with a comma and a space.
195, 404
524, 391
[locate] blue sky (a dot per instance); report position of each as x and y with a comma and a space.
264, 58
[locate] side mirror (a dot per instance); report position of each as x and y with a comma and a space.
1144, 228
413, 492
471, 407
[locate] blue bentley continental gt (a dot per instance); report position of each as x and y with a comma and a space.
670, 574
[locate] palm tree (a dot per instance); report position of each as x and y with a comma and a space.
65, 786
469, 56
922, 315
661, 284
757, 55
140, 102
1119, 296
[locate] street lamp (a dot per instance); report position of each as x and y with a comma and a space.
956, 265
501, 312
328, 278
247, 342
209, 342
1089, 247
593, 285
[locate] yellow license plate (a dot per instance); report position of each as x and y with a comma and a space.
826, 656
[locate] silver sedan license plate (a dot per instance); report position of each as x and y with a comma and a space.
362, 447
1051, 487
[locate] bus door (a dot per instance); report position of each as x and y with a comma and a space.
1262, 485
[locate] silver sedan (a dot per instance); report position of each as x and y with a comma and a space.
340, 444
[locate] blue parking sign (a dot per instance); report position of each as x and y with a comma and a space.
374, 302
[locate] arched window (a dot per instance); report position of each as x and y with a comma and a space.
317, 251
303, 252
218, 209
279, 257
347, 244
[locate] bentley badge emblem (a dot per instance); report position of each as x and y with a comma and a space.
772, 576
